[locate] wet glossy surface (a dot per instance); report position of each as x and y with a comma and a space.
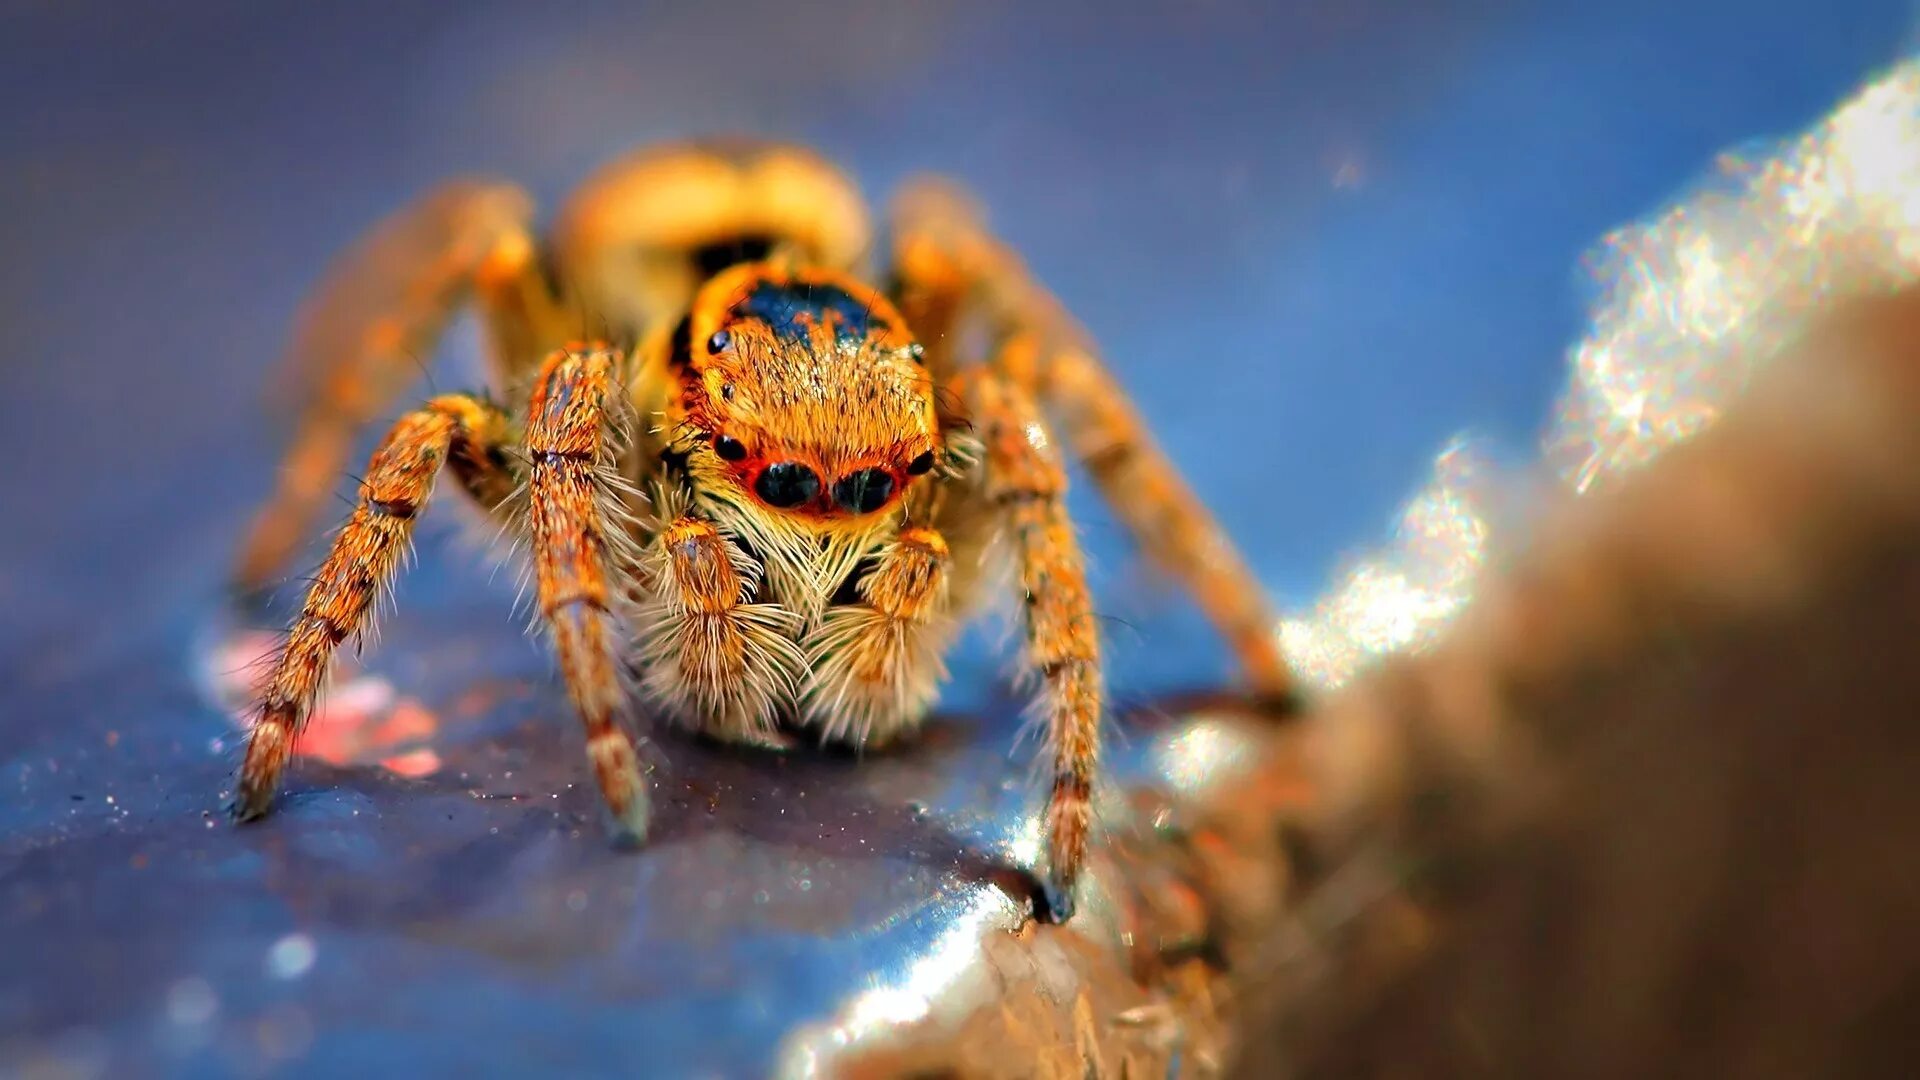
1368, 222
790, 907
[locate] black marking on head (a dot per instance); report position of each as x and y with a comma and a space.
790, 309
710, 259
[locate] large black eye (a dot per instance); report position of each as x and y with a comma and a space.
864, 491
921, 465
729, 448
787, 484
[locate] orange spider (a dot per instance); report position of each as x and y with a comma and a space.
779, 501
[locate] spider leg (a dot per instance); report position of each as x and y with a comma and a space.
577, 520
370, 325
876, 664
956, 275
456, 429
1161, 512
1027, 486
720, 664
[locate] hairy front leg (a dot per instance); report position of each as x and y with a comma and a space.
720, 664
576, 518
876, 665
466, 432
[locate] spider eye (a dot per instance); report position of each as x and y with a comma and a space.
720, 340
787, 484
729, 448
864, 491
921, 465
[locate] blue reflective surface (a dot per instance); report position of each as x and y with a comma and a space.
1315, 245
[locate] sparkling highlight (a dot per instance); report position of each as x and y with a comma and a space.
1692, 302
1399, 599
1695, 299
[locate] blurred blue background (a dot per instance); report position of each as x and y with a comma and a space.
1315, 240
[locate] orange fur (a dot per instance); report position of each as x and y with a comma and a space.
828, 395
877, 665
1028, 487
828, 471
835, 403
625, 235
577, 528
362, 563
718, 662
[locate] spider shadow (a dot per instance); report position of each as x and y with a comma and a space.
511, 792
837, 803
821, 804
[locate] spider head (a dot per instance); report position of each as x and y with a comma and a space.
801, 392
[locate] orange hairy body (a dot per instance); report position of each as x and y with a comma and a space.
767, 505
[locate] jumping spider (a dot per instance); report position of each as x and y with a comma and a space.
778, 498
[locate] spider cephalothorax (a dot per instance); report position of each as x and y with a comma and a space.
803, 415
781, 503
